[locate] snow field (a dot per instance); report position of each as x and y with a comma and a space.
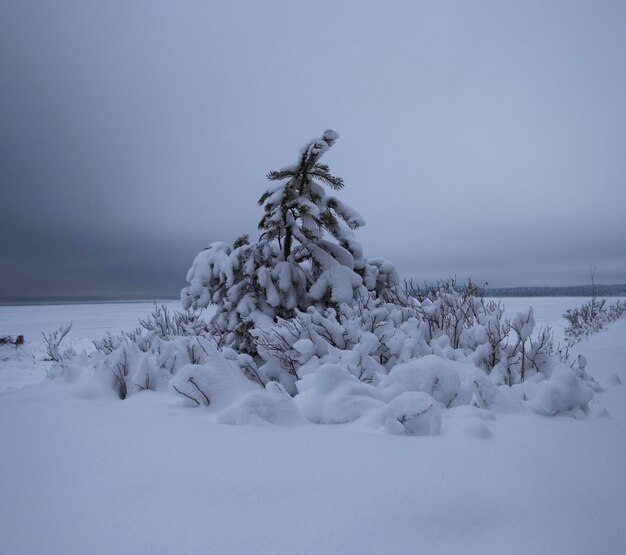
84, 473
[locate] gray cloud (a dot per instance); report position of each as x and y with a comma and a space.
477, 138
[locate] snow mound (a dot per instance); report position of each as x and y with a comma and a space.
613, 379
412, 413
332, 395
436, 376
11, 353
217, 383
478, 430
487, 395
561, 393
273, 405
470, 411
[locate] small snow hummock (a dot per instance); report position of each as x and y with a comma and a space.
561, 393
412, 413
273, 405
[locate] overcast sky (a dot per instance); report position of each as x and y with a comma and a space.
477, 138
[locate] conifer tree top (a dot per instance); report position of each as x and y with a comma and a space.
307, 166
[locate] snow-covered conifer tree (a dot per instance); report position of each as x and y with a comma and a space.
307, 255
304, 220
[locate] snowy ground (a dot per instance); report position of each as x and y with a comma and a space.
147, 475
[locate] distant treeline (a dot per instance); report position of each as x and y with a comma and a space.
18, 301
568, 291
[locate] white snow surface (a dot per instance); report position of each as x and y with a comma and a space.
82, 472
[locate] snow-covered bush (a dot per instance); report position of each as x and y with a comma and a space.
216, 382
53, 341
165, 324
392, 365
591, 317
14, 340
12, 348
164, 345
370, 338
